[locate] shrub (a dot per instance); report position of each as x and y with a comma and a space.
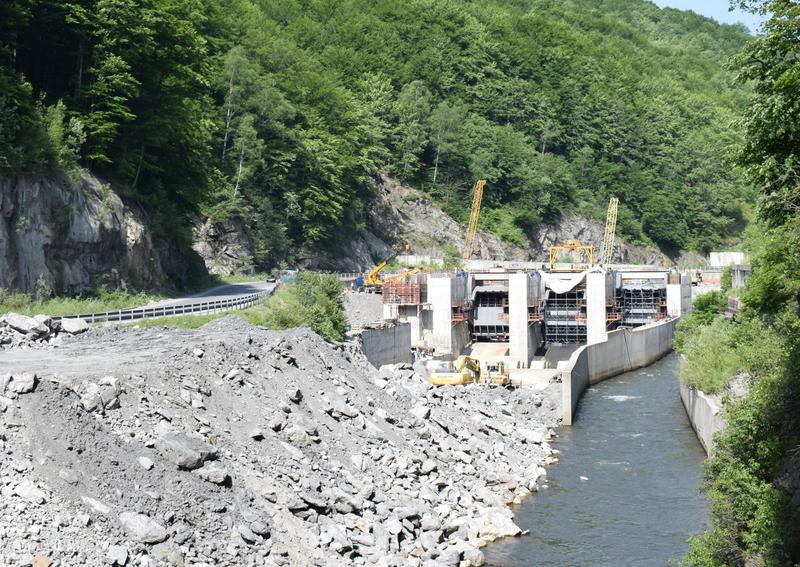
314, 300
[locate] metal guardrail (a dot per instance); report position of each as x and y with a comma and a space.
202, 307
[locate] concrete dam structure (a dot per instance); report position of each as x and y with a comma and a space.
545, 326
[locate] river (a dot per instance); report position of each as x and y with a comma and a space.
626, 489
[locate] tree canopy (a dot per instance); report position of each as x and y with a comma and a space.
282, 112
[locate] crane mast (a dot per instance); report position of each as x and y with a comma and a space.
472, 229
608, 238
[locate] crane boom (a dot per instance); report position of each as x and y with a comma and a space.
472, 229
611, 228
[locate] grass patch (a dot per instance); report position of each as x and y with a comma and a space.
314, 301
180, 321
62, 306
711, 358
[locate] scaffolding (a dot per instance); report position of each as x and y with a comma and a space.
565, 317
642, 305
402, 293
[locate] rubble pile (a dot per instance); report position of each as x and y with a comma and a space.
40, 331
243, 446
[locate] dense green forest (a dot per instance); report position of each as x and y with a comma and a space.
753, 474
282, 113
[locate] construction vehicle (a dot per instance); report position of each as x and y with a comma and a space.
472, 228
395, 278
697, 277
467, 370
373, 281
583, 256
497, 374
607, 249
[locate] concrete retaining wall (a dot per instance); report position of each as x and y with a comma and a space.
388, 345
623, 351
704, 414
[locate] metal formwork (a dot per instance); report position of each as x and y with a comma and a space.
565, 317
643, 304
490, 315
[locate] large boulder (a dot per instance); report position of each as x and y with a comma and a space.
187, 451
20, 383
141, 528
25, 325
74, 326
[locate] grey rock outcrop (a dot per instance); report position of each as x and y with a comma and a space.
24, 324
65, 237
187, 451
224, 247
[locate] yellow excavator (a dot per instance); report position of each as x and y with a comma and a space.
372, 281
466, 370
394, 278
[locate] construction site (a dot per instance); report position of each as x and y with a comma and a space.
232, 444
526, 318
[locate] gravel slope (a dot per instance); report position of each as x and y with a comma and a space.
233, 445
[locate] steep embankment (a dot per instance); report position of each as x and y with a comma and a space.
63, 236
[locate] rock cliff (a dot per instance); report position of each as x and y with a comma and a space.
400, 215
68, 237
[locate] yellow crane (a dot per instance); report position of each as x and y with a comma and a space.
395, 278
472, 229
582, 254
607, 249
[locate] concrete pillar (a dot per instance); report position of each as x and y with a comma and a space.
519, 332
675, 295
440, 296
596, 307
686, 294
390, 312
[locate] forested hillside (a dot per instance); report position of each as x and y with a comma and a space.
753, 474
282, 112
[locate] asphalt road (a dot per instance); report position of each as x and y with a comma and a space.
226, 291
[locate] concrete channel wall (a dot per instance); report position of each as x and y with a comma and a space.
623, 351
387, 345
704, 415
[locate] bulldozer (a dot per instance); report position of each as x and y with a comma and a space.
467, 370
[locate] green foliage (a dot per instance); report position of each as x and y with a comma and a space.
261, 111
313, 301
181, 321
710, 357
41, 303
726, 280
755, 515
705, 310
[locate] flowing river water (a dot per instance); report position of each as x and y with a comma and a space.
627, 488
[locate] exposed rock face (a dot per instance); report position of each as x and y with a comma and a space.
400, 215
72, 237
224, 247
590, 231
